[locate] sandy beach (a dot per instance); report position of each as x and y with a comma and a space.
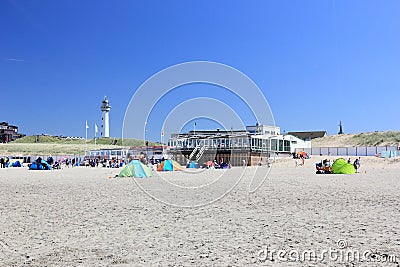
81, 217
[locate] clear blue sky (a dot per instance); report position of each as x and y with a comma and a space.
317, 62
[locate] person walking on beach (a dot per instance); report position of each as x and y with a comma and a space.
355, 164
2, 163
301, 159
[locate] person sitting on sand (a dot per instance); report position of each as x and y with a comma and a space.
324, 167
56, 165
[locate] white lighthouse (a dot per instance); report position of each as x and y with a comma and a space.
105, 124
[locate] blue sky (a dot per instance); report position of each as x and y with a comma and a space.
317, 62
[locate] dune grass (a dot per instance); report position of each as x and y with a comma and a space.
43, 139
377, 138
60, 146
389, 138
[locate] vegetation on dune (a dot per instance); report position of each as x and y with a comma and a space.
389, 138
43, 149
377, 138
62, 146
99, 141
47, 139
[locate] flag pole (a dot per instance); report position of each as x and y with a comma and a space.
162, 140
95, 133
86, 127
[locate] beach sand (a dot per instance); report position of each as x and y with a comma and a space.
81, 217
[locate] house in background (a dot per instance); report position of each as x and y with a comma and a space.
308, 136
8, 132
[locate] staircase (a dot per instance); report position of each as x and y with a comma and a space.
193, 152
201, 152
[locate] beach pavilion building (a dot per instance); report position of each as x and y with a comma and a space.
250, 147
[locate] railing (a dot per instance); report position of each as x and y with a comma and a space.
201, 152
231, 147
193, 152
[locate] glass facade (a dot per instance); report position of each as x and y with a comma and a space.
244, 142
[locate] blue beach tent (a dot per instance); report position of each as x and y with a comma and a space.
193, 165
169, 165
42, 166
135, 169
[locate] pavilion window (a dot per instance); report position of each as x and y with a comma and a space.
280, 145
287, 145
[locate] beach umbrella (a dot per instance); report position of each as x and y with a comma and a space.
302, 153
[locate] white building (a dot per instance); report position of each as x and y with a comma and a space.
263, 129
260, 138
105, 120
234, 146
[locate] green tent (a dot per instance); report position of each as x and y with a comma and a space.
135, 169
340, 166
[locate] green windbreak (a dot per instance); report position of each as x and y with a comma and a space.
340, 166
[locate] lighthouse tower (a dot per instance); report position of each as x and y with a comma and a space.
105, 123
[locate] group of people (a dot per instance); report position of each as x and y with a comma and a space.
4, 162
91, 162
113, 163
106, 163
324, 167
71, 162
